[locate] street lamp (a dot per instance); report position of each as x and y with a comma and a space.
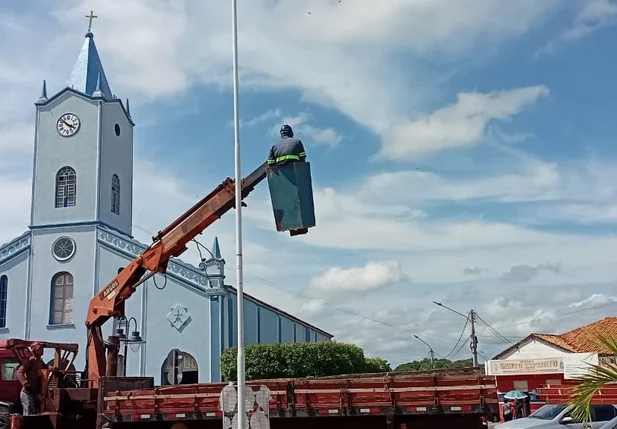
431, 352
134, 341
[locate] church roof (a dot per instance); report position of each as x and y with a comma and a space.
88, 75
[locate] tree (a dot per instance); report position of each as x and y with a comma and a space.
425, 365
597, 377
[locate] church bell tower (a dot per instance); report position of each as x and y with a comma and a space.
83, 158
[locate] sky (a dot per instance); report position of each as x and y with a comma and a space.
462, 152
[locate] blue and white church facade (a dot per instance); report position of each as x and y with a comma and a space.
80, 235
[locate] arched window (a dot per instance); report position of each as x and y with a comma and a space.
4, 288
61, 299
115, 194
66, 187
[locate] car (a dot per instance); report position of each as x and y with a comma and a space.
611, 424
554, 416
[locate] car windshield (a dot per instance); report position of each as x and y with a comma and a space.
547, 412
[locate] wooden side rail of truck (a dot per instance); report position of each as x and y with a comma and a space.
390, 400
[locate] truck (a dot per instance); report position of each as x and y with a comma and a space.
96, 398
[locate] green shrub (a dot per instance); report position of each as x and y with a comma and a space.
377, 364
299, 360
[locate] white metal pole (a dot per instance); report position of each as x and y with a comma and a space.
239, 276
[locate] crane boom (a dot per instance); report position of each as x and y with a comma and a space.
168, 243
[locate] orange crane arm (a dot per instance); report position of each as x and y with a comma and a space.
168, 243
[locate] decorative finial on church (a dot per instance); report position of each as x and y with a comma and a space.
128, 108
90, 17
98, 92
43, 96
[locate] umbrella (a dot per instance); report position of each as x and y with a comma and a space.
515, 394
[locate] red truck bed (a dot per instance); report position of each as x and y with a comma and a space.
463, 392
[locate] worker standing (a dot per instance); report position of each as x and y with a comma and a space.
28, 376
289, 149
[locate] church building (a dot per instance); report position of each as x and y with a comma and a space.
80, 236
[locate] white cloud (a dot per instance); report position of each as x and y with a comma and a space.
388, 331
460, 124
308, 133
530, 181
347, 282
591, 16
343, 66
265, 117
595, 299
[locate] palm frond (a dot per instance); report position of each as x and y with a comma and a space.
591, 383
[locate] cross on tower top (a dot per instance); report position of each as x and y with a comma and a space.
90, 17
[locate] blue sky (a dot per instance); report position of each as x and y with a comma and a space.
461, 152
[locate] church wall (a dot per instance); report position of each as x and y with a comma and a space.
300, 334
110, 260
81, 267
178, 316
272, 326
251, 323
320, 337
286, 328
54, 152
16, 268
116, 158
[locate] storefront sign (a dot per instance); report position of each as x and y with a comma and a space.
577, 365
525, 366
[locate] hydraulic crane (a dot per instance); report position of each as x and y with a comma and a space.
168, 243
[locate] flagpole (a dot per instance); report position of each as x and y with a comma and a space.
239, 269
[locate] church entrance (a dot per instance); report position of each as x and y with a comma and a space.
185, 370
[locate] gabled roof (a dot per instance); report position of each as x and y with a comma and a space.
88, 75
579, 340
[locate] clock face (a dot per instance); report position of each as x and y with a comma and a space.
68, 125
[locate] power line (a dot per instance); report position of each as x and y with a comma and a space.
493, 329
459, 340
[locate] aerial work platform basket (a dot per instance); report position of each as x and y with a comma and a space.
291, 193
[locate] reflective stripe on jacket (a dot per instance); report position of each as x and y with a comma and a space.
289, 149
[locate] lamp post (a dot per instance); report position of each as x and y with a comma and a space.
238, 203
134, 341
431, 352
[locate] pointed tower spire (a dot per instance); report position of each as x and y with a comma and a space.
216, 250
43, 96
88, 74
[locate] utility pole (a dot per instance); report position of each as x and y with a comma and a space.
474, 338
471, 318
